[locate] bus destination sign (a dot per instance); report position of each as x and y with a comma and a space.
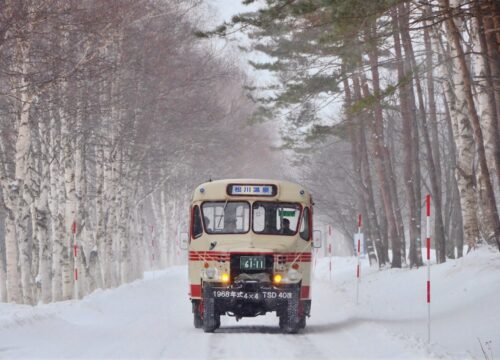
251, 190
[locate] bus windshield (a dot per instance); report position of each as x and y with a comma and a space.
226, 217
275, 218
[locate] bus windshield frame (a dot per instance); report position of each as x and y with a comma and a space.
216, 220
270, 226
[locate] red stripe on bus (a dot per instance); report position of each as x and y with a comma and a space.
250, 253
208, 253
245, 253
304, 292
215, 256
195, 291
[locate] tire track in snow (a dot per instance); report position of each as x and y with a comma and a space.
307, 350
261, 341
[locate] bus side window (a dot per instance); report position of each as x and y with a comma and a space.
197, 228
305, 226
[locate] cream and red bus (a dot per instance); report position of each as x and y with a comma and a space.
250, 251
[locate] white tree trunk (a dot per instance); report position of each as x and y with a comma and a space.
14, 291
485, 113
56, 205
22, 212
110, 214
3, 275
34, 190
79, 216
141, 254
97, 257
464, 141
41, 215
164, 240
485, 108
174, 236
123, 218
10, 190
69, 208
156, 232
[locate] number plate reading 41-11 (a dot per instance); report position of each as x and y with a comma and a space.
252, 263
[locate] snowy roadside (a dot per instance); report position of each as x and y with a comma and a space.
464, 300
151, 318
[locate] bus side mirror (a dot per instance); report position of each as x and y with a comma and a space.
184, 241
317, 239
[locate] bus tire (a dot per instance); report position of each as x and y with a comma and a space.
290, 319
302, 322
210, 318
197, 318
282, 322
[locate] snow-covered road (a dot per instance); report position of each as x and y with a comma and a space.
152, 318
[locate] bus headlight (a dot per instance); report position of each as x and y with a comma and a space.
210, 273
225, 277
293, 275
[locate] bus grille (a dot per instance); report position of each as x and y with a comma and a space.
235, 265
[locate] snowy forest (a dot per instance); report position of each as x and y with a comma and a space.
386, 101
111, 112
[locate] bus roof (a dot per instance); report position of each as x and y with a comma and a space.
256, 189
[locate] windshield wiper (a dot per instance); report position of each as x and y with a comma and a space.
223, 214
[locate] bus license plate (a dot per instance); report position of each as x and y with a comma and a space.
252, 263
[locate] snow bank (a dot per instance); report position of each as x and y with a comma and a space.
465, 295
151, 318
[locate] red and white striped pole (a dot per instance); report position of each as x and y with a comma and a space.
358, 272
75, 258
153, 244
330, 254
428, 233
330, 249
152, 248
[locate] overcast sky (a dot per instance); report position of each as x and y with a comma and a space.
222, 11
228, 8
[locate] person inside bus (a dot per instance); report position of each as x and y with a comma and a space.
229, 224
207, 223
285, 229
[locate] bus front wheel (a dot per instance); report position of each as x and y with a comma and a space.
197, 318
290, 320
211, 320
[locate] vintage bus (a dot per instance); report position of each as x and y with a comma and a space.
250, 251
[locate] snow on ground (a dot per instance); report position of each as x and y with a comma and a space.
464, 302
152, 318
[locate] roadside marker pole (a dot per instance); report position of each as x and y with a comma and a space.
428, 233
153, 245
358, 273
153, 250
179, 244
330, 253
330, 250
316, 254
315, 259
75, 258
